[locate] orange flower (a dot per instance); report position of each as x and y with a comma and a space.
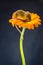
25, 19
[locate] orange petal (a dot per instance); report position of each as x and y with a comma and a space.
12, 22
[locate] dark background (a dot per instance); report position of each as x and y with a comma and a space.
9, 36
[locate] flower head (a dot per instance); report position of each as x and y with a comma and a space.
25, 19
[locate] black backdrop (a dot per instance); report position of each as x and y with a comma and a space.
9, 36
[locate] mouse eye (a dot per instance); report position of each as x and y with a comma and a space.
21, 13
16, 14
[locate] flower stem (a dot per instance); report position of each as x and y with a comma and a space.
21, 47
18, 29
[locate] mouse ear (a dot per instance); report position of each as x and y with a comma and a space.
29, 17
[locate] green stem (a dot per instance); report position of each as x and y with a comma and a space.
21, 47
